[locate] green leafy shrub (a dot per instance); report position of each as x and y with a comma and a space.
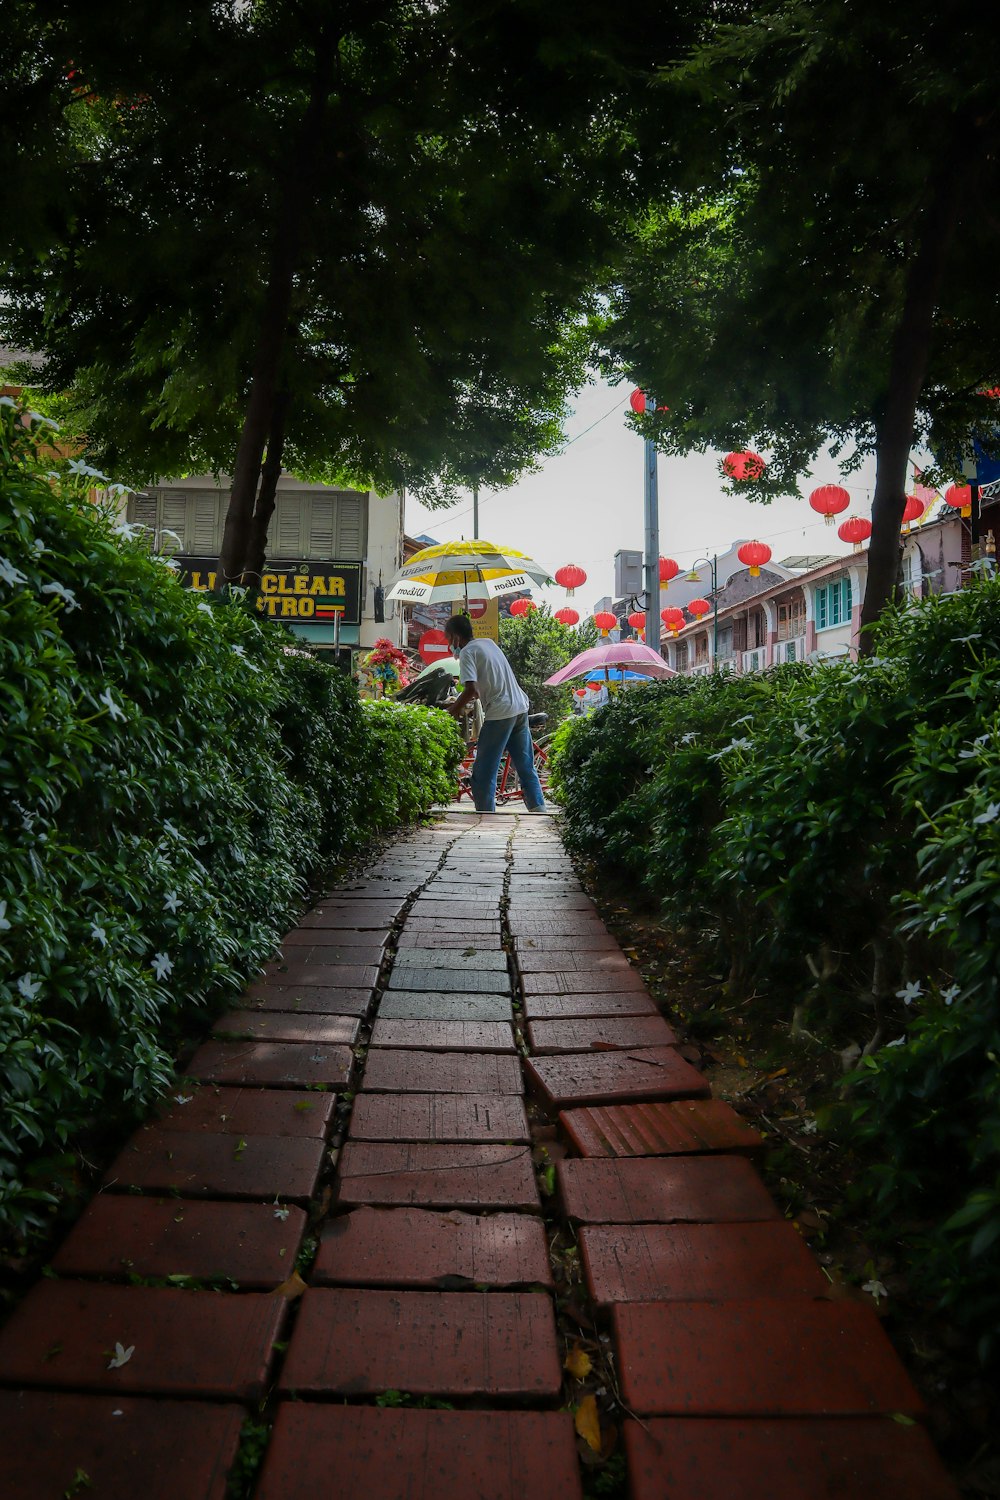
173, 776
834, 833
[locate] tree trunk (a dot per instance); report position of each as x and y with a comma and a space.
911, 346
272, 339
264, 509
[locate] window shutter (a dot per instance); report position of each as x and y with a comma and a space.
205, 523
322, 524
286, 529
173, 517
351, 513
142, 511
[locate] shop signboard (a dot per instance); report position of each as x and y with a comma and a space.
312, 593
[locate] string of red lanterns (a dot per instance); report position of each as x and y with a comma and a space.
673, 618
605, 621
855, 529
829, 500
698, 607
754, 555
668, 569
637, 620
567, 616
912, 511
959, 497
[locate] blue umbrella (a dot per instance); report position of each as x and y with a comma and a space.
615, 674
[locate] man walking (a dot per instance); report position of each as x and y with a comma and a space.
485, 673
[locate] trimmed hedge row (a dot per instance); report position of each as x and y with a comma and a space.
173, 778
834, 832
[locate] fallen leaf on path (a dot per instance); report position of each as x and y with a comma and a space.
121, 1356
293, 1287
588, 1423
578, 1363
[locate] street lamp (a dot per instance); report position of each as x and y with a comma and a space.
693, 576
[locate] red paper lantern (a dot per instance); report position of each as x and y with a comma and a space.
754, 555
673, 618
637, 401
912, 510
698, 607
595, 687
744, 465
606, 621
522, 607
959, 497
856, 529
567, 617
571, 578
637, 620
829, 501
668, 570
580, 692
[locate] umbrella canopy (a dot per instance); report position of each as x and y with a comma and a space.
447, 664
471, 569
632, 654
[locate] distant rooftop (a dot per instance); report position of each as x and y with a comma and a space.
802, 562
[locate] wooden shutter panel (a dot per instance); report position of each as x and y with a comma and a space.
174, 517
322, 525
351, 515
204, 519
142, 510
286, 528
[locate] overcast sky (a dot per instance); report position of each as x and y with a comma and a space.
586, 504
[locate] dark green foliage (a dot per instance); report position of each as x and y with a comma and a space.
172, 779
834, 833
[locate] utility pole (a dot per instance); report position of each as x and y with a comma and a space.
475, 508
651, 571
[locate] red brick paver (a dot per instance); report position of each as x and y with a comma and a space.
439, 1117
204, 1344
276, 1064
434, 1176
345, 939
599, 1006
401, 1072
410, 1247
759, 1358
286, 1026
198, 1164
621, 981
236, 1111
606, 1077
693, 1125
865, 1458
643, 1190
312, 999
325, 976
444, 1036
161, 1450
251, 1244
599, 1034
420, 1455
647, 1262
428, 1343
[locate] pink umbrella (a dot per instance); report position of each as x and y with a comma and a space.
631, 654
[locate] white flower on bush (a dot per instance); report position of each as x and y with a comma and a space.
7, 401
899, 1042
110, 704
129, 529
171, 901
734, 745
801, 732
910, 992
39, 420
170, 562
9, 573
99, 934
238, 651
990, 815
161, 966
77, 466
4, 924
951, 994
875, 1289
66, 595
38, 547
28, 987
206, 609
687, 739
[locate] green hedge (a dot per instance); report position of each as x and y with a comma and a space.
173, 778
834, 832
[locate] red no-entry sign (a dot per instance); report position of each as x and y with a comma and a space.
433, 646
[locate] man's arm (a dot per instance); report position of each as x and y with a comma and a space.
465, 700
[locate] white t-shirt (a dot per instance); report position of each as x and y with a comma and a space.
483, 663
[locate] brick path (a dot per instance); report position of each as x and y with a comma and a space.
465, 970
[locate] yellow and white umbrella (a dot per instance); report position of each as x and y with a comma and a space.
474, 569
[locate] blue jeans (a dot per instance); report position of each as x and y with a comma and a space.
496, 736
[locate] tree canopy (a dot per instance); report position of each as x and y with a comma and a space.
818, 268
360, 240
